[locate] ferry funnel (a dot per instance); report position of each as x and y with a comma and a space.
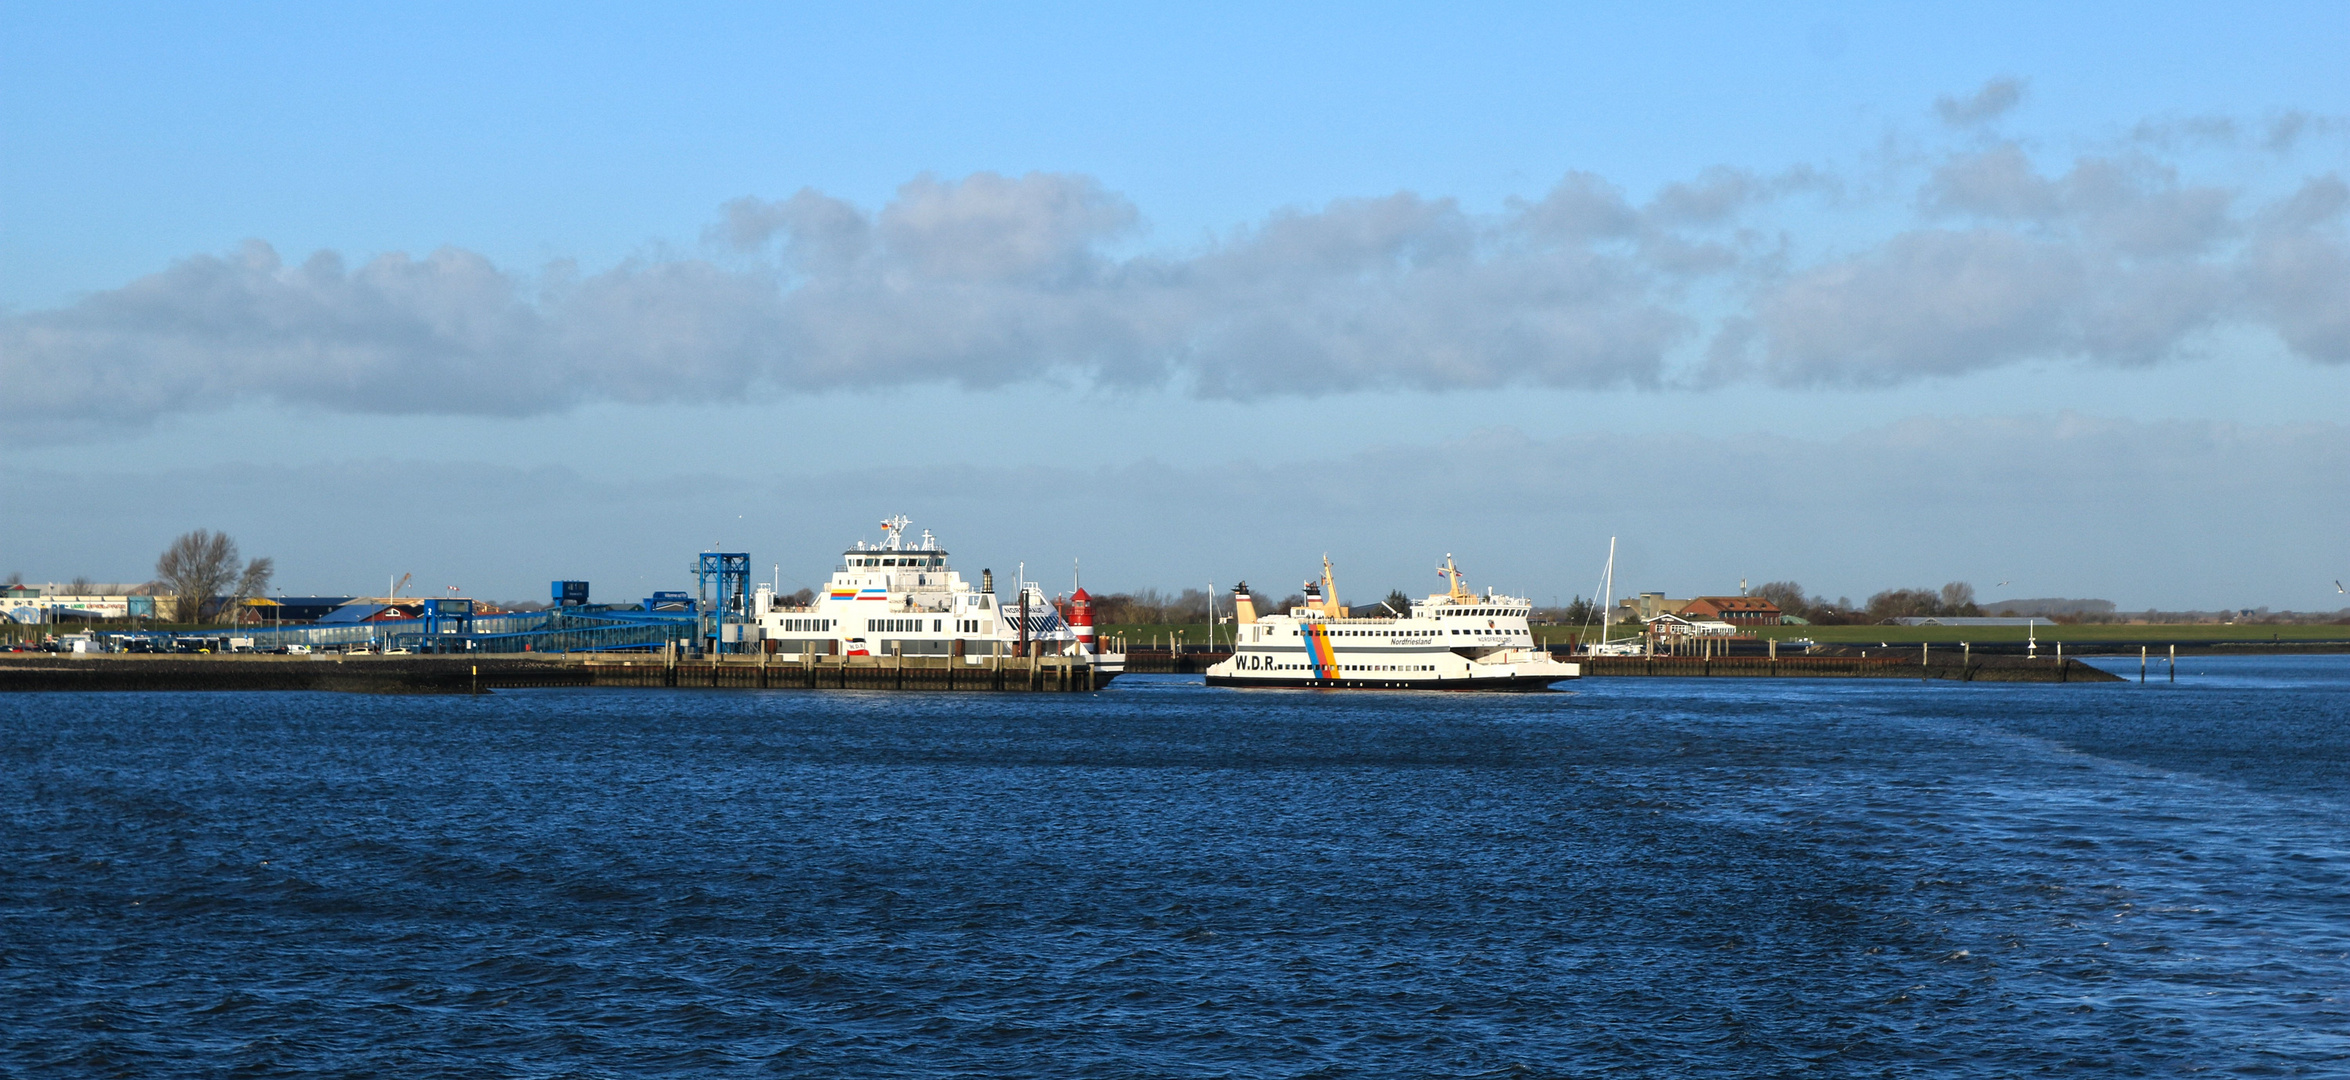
1244, 606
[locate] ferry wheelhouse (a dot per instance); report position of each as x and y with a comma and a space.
900, 597
1453, 640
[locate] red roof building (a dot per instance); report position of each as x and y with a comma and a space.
1735, 610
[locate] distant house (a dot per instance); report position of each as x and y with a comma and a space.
367, 610
1735, 610
1676, 626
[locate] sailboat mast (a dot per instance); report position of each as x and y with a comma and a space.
1608, 586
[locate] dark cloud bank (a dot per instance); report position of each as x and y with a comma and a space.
990, 280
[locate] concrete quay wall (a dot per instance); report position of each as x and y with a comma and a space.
467, 674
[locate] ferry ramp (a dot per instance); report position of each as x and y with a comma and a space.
554, 630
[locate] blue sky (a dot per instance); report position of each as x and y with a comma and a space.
761, 275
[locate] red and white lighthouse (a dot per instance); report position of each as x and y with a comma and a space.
1081, 621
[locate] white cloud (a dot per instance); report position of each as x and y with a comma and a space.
2298, 270
980, 282
989, 281
2114, 261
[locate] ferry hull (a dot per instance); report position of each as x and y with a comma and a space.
1517, 684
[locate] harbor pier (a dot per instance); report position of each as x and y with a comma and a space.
468, 675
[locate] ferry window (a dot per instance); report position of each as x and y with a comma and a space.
934, 625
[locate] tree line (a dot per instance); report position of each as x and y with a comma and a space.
1956, 600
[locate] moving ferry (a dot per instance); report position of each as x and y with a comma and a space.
1455, 640
900, 598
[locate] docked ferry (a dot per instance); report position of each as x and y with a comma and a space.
1454, 640
900, 598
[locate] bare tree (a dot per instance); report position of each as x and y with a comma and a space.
201, 566
1787, 595
254, 581
80, 586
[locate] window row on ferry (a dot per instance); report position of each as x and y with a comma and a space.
1354, 667
914, 626
902, 626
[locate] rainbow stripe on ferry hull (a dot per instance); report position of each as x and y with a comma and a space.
1325, 656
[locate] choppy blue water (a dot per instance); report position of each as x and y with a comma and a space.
1642, 878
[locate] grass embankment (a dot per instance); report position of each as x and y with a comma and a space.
2133, 633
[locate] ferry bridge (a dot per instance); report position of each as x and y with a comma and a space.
563, 629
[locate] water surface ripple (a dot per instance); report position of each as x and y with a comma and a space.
1722, 877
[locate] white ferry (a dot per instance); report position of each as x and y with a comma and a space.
900, 598
1455, 640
